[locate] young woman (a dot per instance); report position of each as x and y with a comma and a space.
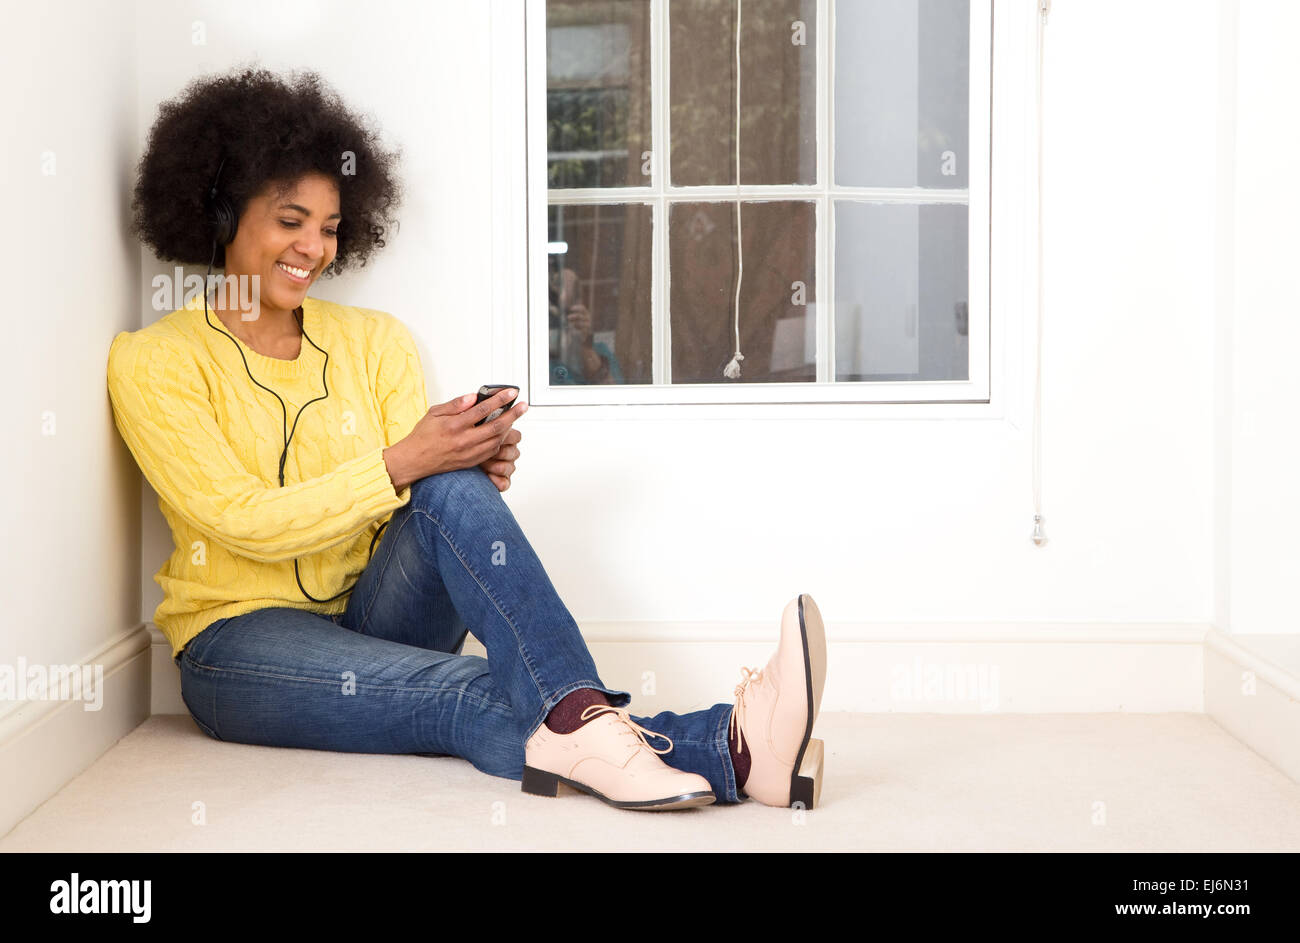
284, 434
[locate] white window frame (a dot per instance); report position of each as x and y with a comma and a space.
1006, 286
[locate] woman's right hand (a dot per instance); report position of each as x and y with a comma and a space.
446, 439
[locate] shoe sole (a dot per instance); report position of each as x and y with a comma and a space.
806, 779
538, 782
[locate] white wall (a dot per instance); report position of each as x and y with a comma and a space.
1261, 332
71, 279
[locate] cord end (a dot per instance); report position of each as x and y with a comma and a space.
732, 370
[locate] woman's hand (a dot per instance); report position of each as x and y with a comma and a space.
446, 439
578, 321
502, 465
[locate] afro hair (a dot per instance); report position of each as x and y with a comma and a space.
270, 132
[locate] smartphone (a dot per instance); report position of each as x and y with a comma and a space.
489, 390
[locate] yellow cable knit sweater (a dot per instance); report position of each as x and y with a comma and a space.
209, 440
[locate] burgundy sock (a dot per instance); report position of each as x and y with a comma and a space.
739, 758
566, 716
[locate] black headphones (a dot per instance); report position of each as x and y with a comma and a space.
225, 222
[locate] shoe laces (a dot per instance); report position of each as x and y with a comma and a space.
748, 676
632, 727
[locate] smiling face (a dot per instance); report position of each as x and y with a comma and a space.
298, 231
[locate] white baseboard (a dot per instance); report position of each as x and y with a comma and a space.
1255, 699
165, 689
923, 668
44, 744
944, 668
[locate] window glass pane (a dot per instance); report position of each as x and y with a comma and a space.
597, 92
777, 319
599, 272
902, 93
778, 92
901, 291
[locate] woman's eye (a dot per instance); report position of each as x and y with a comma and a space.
294, 224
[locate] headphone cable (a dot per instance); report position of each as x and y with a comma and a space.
285, 417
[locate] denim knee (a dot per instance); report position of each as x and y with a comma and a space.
433, 490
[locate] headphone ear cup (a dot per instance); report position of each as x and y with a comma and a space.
224, 221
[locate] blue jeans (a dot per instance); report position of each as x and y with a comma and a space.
386, 675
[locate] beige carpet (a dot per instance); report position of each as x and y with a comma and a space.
1091, 782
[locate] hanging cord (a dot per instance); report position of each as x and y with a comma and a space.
1039, 537
732, 370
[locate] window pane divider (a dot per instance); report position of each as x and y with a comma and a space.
759, 192
824, 299
660, 328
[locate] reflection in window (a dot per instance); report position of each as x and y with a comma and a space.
599, 276
597, 92
778, 92
777, 317
902, 88
901, 291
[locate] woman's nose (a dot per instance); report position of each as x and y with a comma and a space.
312, 249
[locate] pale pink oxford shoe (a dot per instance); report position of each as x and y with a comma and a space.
775, 710
610, 758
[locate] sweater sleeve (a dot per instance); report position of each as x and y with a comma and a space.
399, 381
162, 409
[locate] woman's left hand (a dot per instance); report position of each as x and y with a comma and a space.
501, 466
